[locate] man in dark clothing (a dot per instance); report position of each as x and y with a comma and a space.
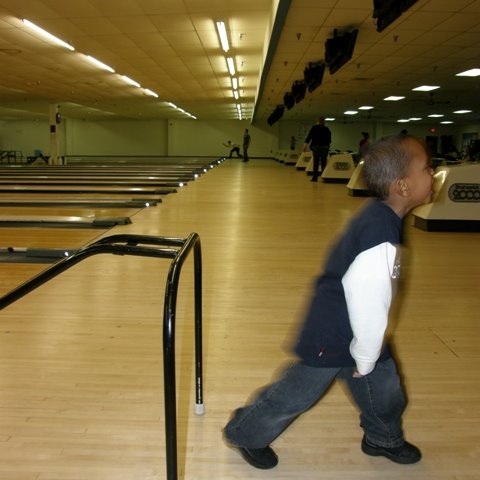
246, 144
319, 138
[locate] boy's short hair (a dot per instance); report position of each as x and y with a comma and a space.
384, 162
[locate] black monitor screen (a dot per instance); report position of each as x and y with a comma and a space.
387, 11
288, 100
339, 50
313, 75
298, 91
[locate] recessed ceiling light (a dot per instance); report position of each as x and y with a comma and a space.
474, 72
365, 107
436, 115
425, 88
350, 112
393, 98
446, 122
462, 111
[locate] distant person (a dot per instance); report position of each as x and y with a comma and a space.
343, 336
364, 144
319, 138
293, 143
233, 148
246, 145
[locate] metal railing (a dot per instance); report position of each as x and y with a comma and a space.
146, 246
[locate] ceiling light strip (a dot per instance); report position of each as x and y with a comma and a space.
46, 34
181, 110
149, 92
99, 64
231, 66
130, 81
222, 33
93, 60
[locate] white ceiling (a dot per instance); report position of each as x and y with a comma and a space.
171, 47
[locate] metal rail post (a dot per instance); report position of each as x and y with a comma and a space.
129, 245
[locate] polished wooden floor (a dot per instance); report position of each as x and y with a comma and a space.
81, 386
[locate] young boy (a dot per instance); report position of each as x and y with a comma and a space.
343, 333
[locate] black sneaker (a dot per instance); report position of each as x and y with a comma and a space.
263, 458
405, 454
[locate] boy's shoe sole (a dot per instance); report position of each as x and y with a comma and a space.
405, 454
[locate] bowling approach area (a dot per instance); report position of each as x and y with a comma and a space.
81, 356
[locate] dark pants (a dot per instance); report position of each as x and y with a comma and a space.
245, 153
320, 155
236, 150
379, 396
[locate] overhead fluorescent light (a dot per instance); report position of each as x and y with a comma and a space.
180, 109
462, 111
222, 33
365, 107
425, 88
414, 119
231, 66
235, 94
446, 122
130, 81
436, 115
46, 34
393, 98
474, 72
403, 120
149, 92
99, 64
235, 83
330, 119
350, 112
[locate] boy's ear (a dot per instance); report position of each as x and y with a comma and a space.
402, 186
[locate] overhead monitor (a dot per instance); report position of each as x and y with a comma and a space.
387, 11
276, 114
298, 90
313, 75
289, 100
339, 49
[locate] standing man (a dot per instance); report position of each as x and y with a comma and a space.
246, 144
319, 137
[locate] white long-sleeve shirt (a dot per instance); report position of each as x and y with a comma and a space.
348, 316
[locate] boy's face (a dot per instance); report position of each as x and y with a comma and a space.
419, 174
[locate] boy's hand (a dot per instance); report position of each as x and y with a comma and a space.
357, 375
